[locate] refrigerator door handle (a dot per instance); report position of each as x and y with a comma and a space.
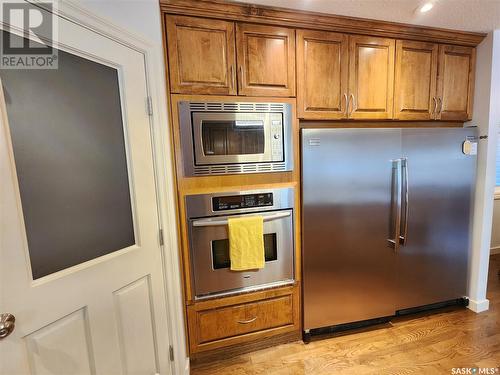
404, 213
397, 198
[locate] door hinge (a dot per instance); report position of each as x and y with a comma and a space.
160, 236
171, 353
149, 106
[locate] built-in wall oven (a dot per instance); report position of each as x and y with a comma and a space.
209, 245
235, 137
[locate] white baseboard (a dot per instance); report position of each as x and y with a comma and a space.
479, 306
495, 250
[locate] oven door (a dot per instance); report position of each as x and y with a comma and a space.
210, 255
231, 138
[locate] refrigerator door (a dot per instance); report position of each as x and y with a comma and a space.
348, 261
432, 264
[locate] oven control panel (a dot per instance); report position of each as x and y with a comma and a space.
277, 136
236, 202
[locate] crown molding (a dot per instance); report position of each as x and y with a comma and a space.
232, 11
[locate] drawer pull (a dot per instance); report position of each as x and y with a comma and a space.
247, 321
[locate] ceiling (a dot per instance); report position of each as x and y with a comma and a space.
469, 15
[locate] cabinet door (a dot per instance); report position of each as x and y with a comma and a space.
322, 74
201, 55
416, 75
371, 77
266, 60
455, 82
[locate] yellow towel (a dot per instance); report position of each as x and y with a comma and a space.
246, 243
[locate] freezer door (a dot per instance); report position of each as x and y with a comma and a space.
348, 260
432, 264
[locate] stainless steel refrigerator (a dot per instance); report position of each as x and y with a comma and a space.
386, 220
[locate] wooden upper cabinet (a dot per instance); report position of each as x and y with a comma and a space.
322, 74
202, 56
266, 60
338, 76
371, 77
455, 85
416, 76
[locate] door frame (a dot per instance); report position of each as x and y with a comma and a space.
74, 12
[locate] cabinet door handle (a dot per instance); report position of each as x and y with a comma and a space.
440, 105
351, 101
346, 104
247, 321
433, 110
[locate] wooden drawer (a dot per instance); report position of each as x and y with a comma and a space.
234, 320
245, 318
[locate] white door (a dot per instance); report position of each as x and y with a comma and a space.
80, 261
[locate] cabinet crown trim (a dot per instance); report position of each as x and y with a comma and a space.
228, 10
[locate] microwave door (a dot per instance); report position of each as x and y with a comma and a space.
229, 138
235, 137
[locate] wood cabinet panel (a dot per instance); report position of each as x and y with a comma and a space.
415, 81
322, 74
202, 56
455, 82
266, 60
264, 14
243, 318
371, 77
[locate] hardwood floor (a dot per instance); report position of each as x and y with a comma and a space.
421, 344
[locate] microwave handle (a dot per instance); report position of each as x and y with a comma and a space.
223, 221
249, 123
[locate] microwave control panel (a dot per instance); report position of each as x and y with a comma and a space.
277, 136
236, 202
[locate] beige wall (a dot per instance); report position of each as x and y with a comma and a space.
495, 231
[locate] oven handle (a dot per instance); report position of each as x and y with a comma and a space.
223, 221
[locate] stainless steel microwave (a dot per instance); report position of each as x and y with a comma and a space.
235, 137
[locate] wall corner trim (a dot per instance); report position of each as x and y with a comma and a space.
479, 306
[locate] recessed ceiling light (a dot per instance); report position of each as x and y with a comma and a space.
426, 7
